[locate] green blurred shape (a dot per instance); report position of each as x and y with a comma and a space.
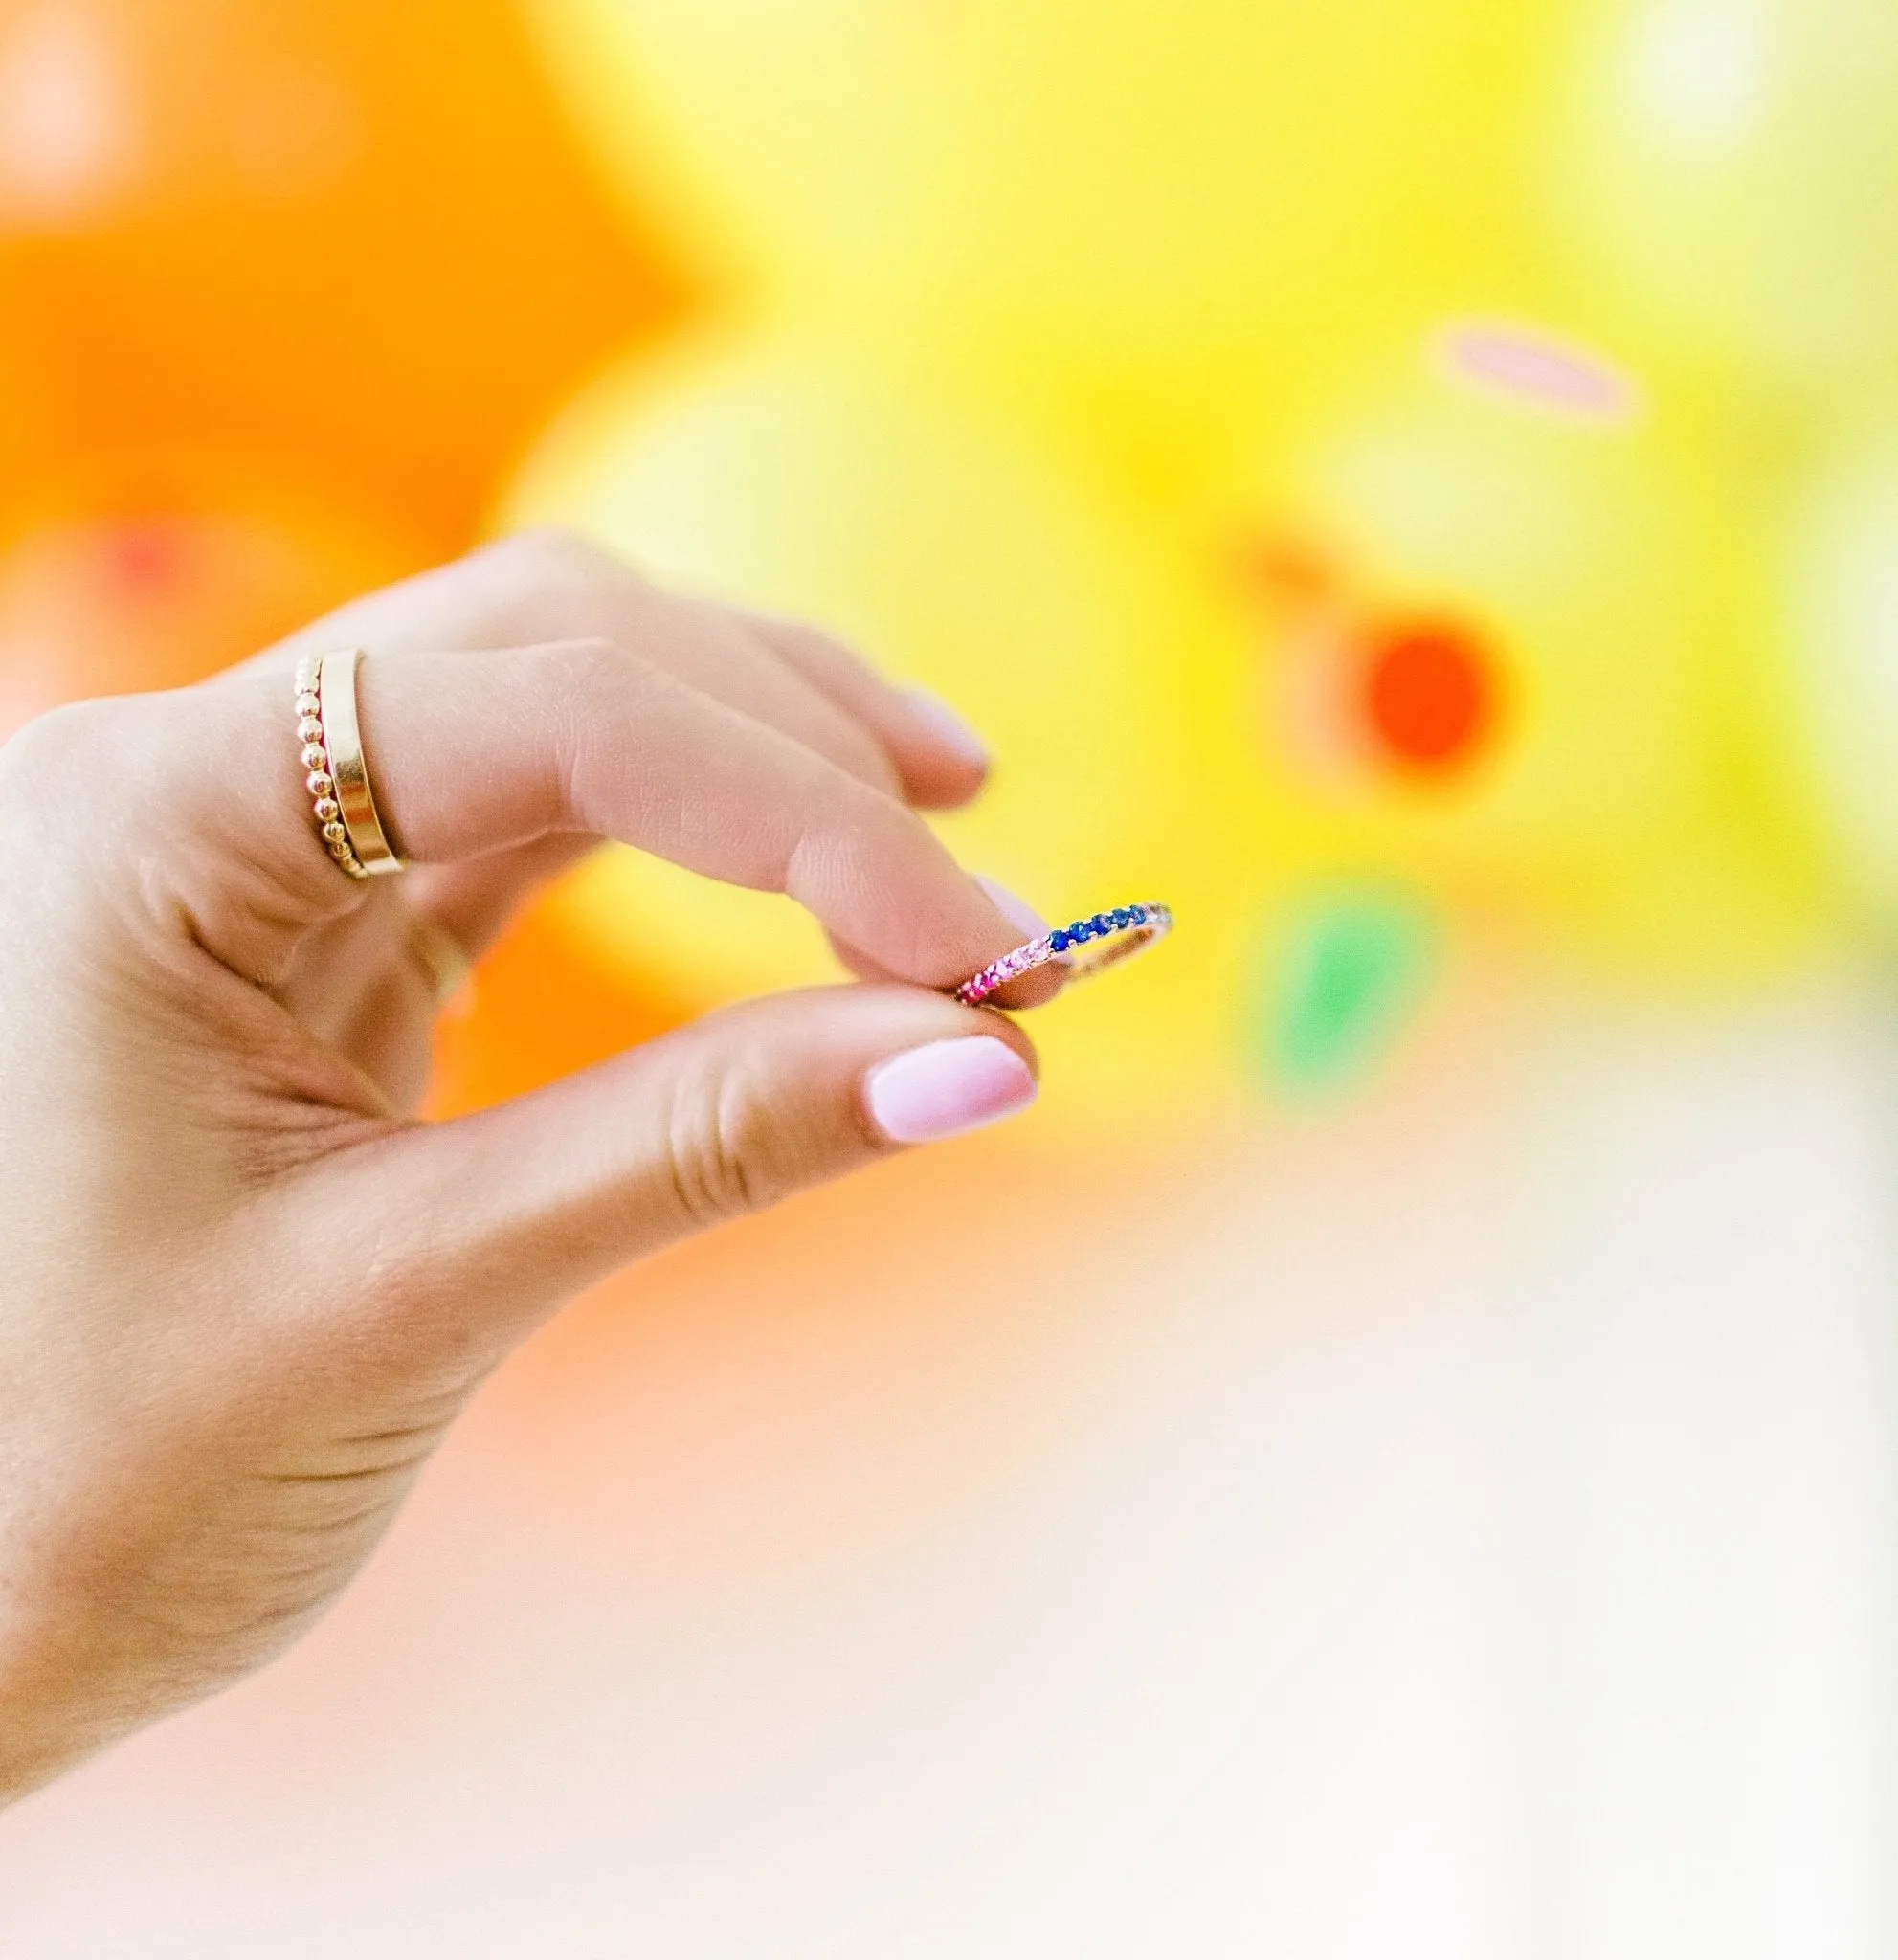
1348, 970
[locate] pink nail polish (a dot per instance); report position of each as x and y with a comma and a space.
1019, 912
946, 1088
947, 727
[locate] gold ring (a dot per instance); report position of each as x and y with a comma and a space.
338, 775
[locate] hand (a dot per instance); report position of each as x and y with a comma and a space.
245, 1292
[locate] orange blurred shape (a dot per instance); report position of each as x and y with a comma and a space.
24, 442
153, 572
1354, 690
538, 1008
1277, 567
350, 233
1428, 694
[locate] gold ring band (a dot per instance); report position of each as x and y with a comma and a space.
338, 777
342, 739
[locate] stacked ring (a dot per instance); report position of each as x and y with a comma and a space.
337, 776
1122, 933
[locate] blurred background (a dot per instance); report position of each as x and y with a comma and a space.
1397, 1452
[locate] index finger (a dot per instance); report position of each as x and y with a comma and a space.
472, 753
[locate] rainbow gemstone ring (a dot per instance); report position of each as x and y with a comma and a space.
1120, 934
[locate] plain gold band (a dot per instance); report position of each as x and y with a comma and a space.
343, 738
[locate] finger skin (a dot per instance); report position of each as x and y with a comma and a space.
473, 902
246, 1295
267, 1413
1036, 988
482, 1225
545, 585
482, 753
548, 585
939, 772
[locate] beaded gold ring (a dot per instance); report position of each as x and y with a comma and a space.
337, 774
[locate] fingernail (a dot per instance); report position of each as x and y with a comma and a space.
1019, 912
946, 1088
947, 726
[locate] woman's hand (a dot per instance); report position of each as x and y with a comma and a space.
245, 1292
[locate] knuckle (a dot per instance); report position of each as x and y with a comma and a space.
591, 679
540, 586
586, 692
732, 1149
43, 763
823, 650
552, 558
573, 680
592, 664
52, 742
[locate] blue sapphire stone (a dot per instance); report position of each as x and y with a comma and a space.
1058, 941
1101, 928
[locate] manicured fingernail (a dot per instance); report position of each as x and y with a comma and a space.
946, 1088
1019, 912
947, 727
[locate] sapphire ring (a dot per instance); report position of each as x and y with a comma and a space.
1118, 934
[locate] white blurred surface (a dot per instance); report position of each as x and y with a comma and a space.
1464, 1526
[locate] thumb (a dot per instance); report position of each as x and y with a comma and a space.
488, 1222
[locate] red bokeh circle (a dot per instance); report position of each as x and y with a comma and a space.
1429, 694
